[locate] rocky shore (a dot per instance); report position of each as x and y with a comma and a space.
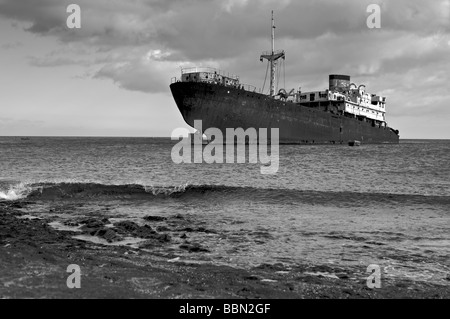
34, 257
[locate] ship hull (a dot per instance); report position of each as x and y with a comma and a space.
225, 107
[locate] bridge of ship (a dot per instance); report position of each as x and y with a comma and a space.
213, 76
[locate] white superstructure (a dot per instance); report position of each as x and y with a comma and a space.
346, 98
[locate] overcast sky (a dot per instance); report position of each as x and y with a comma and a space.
112, 76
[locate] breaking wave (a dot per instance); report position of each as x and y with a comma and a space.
16, 192
90, 190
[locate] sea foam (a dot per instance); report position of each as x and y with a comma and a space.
15, 192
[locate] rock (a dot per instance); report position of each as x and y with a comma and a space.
194, 248
163, 237
342, 276
127, 225
92, 223
272, 267
16, 205
155, 240
107, 233
154, 218
144, 232
70, 223
162, 228
251, 277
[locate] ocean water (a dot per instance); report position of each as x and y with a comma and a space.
333, 205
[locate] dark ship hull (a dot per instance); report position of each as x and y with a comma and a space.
225, 107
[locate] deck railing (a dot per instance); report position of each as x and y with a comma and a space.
245, 87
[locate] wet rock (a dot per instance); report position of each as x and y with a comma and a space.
402, 285
16, 205
272, 267
149, 244
162, 228
93, 223
70, 223
108, 234
251, 277
348, 292
144, 232
342, 276
154, 218
155, 240
194, 248
127, 226
163, 237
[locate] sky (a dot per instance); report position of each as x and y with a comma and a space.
111, 77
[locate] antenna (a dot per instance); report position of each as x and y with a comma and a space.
273, 34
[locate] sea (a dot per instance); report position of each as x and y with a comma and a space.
349, 207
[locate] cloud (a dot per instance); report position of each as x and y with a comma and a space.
11, 45
196, 27
141, 44
146, 74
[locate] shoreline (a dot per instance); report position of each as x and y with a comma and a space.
35, 256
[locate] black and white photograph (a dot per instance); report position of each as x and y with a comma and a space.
224, 155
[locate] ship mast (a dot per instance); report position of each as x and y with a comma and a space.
272, 58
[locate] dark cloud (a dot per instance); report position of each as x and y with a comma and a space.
197, 27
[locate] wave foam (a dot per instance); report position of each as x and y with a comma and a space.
16, 192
